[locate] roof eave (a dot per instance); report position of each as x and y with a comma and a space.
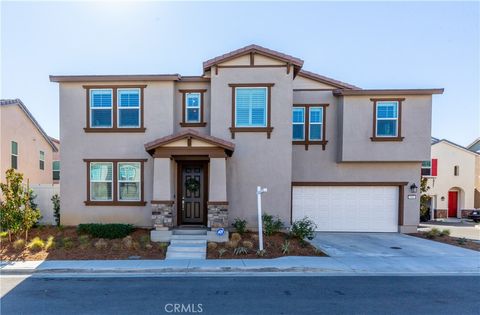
346, 92
113, 78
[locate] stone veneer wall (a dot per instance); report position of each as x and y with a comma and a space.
441, 213
162, 216
465, 213
217, 216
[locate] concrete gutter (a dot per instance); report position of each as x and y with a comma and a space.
285, 265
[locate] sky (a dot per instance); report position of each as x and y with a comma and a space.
368, 44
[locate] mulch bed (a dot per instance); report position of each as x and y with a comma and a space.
115, 249
272, 246
456, 241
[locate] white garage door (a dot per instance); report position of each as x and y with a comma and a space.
348, 208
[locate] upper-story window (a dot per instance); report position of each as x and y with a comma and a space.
128, 108
42, 160
193, 108
115, 109
427, 168
14, 155
251, 108
309, 124
101, 108
387, 120
56, 170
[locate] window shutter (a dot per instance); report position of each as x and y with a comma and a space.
434, 167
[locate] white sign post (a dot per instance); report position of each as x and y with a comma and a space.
260, 191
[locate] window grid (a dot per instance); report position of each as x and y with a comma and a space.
99, 103
313, 122
192, 106
135, 167
42, 160
391, 109
104, 180
295, 112
14, 155
128, 100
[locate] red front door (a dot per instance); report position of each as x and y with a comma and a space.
452, 204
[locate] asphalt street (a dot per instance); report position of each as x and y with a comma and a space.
240, 295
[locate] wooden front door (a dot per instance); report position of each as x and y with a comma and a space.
192, 193
452, 204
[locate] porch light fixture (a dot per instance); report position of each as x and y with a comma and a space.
413, 188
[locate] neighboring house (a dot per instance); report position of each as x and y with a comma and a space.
475, 146
191, 150
452, 175
24, 144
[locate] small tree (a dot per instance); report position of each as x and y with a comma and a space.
16, 213
424, 200
56, 208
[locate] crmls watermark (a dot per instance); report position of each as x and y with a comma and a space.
183, 308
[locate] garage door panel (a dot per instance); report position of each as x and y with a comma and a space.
348, 208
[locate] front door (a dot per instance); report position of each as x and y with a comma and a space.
452, 204
192, 194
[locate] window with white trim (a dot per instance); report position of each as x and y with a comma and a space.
101, 181
315, 123
386, 119
101, 108
251, 106
298, 128
193, 105
128, 106
129, 176
42, 160
14, 155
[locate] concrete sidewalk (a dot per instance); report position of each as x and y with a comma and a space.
425, 265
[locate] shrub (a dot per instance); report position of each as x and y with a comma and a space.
247, 244
36, 244
101, 244
56, 208
240, 250
212, 245
144, 241
434, 232
236, 237
3, 235
303, 229
127, 242
255, 237
462, 241
232, 244
67, 243
445, 232
271, 225
261, 253
240, 226
286, 247
109, 231
19, 244
50, 244
221, 252
84, 241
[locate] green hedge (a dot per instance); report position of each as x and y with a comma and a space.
105, 230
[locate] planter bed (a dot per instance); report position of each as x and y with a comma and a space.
139, 247
456, 241
272, 247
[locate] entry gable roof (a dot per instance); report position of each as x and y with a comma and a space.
296, 62
190, 134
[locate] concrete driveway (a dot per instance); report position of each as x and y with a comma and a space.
385, 245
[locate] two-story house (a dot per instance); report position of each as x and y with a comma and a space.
453, 179
24, 145
191, 150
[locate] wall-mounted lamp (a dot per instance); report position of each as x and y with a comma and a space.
413, 188
443, 198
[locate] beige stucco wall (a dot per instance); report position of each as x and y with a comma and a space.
448, 156
16, 126
301, 82
78, 145
477, 183
356, 146
257, 161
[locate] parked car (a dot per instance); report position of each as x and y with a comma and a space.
475, 216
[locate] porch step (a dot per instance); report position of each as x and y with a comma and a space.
187, 244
